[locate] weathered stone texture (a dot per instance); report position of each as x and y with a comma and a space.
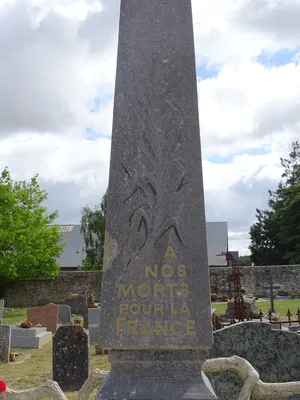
46, 316
254, 279
70, 357
33, 293
156, 229
5, 341
275, 354
64, 314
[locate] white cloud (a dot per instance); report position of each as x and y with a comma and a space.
249, 106
57, 57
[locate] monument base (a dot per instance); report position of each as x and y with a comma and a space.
155, 375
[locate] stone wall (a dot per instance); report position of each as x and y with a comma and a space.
254, 279
32, 293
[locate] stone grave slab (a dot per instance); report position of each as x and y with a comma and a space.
46, 316
155, 297
31, 338
94, 324
274, 353
249, 303
294, 328
5, 343
1, 311
79, 306
70, 358
64, 314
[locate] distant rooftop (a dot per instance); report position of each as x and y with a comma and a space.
66, 228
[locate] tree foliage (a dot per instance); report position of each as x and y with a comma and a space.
29, 242
275, 237
93, 231
244, 261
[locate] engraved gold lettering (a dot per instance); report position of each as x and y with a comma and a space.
173, 312
144, 290
149, 271
184, 310
174, 331
126, 292
159, 288
170, 253
123, 308
135, 309
181, 271
147, 330
167, 271
144, 309
184, 287
119, 325
132, 328
158, 308
190, 327
159, 329
171, 287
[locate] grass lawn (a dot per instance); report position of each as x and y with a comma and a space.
15, 317
35, 366
281, 306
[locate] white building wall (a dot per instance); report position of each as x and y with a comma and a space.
217, 242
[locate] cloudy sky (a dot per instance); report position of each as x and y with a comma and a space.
57, 71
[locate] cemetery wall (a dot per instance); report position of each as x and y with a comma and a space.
256, 279
33, 293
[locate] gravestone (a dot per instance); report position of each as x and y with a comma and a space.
70, 357
45, 316
79, 306
5, 335
275, 354
64, 314
155, 298
94, 324
1, 311
249, 304
31, 338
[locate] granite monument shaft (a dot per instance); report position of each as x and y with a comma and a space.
155, 286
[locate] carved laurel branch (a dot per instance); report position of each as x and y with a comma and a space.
160, 136
253, 386
52, 389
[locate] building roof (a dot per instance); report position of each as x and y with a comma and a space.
74, 251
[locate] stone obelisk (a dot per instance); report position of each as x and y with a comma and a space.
155, 299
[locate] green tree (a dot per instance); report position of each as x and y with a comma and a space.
275, 235
289, 216
245, 261
93, 231
29, 242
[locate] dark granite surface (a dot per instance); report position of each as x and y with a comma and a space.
155, 375
64, 314
5, 340
155, 297
70, 357
155, 286
275, 354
